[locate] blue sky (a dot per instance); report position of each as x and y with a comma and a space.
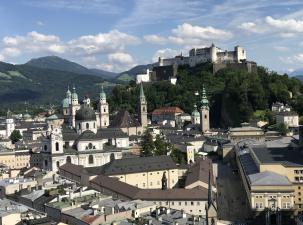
115, 35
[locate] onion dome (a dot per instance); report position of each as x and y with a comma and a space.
85, 114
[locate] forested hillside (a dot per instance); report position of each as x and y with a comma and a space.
234, 94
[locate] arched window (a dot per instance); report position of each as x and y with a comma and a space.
45, 147
68, 159
87, 125
205, 116
57, 146
143, 108
90, 145
45, 162
90, 159
104, 110
58, 164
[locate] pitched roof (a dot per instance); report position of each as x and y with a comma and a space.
139, 164
199, 171
167, 110
268, 179
123, 119
72, 168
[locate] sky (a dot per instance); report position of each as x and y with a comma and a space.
116, 35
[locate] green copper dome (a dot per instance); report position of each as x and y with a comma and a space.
102, 93
74, 94
66, 102
195, 113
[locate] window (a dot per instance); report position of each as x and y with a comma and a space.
79, 126
58, 163
90, 159
257, 205
180, 203
68, 159
45, 162
87, 125
104, 110
94, 125
205, 116
90, 145
143, 184
191, 203
45, 147
143, 109
172, 203
151, 183
185, 203
57, 146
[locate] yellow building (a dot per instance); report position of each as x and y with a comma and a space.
14, 159
273, 173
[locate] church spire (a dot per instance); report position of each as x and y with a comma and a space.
204, 100
142, 96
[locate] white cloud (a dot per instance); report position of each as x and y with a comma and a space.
119, 61
281, 48
40, 23
189, 35
188, 31
86, 48
285, 25
165, 53
112, 41
155, 39
252, 27
286, 28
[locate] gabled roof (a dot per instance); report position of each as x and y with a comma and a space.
167, 110
268, 179
139, 164
199, 171
123, 120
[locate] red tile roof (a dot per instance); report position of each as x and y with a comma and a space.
167, 110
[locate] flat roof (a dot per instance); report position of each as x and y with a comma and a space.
288, 157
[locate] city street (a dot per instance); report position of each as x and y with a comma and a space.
232, 201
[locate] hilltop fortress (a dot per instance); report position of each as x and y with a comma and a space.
166, 69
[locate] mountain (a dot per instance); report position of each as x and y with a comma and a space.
296, 72
19, 83
299, 77
57, 63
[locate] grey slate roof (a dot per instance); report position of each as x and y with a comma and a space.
268, 179
286, 156
124, 119
136, 165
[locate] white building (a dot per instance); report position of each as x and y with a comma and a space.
211, 54
144, 77
290, 118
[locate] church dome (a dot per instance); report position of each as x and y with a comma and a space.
85, 114
195, 113
66, 102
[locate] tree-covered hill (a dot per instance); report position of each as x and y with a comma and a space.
57, 63
19, 83
234, 94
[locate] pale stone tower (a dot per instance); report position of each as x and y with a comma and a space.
74, 106
104, 111
213, 53
9, 123
204, 112
195, 116
142, 108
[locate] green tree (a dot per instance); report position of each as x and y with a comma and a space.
282, 128
15, 136
161, 146
147, 144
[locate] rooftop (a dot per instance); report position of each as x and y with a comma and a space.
268, 179
167, 110
288, 157
139, 164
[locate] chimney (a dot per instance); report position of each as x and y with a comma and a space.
168, 211
183, 214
